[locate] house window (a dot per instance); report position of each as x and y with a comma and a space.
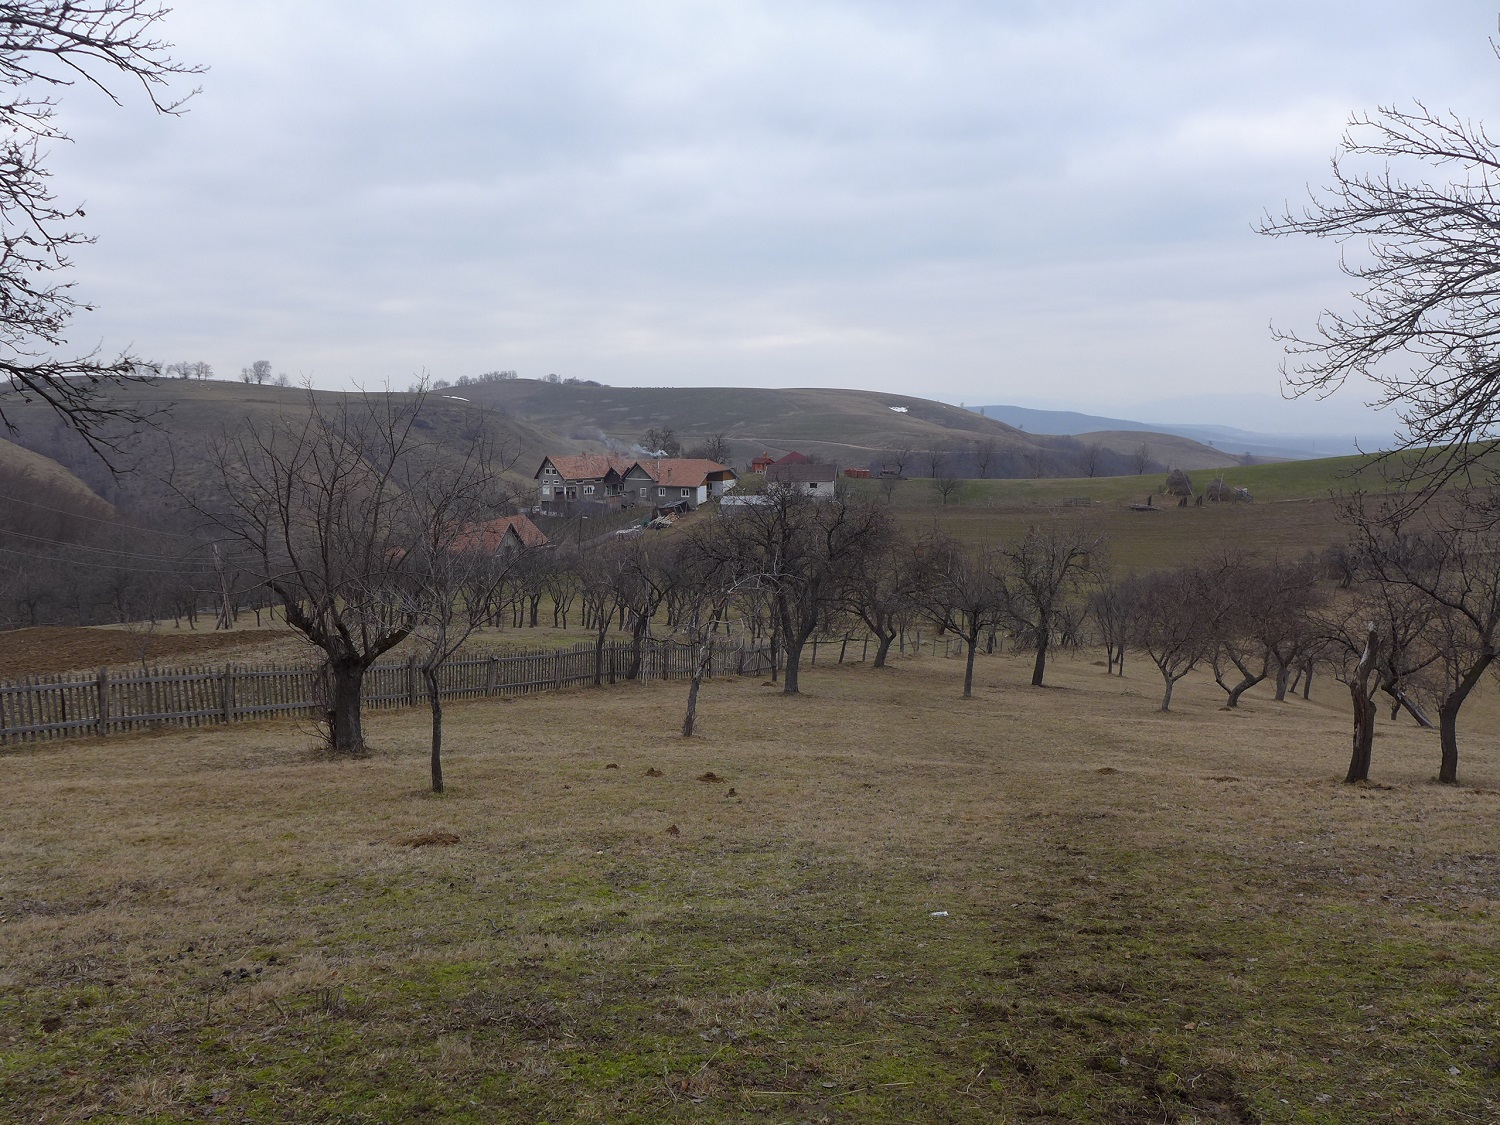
588, 490
546, 491
661, 491
687, 491
645, 492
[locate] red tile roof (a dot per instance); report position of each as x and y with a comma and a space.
682, 472
489, 536
586, 466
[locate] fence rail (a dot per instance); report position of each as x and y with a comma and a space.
38, 708
112, 702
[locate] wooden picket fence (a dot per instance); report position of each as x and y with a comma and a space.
111, 702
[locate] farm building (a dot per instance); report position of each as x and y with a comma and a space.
566, 483
813, 479
502, 536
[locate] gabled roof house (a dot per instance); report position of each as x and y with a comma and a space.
616, 482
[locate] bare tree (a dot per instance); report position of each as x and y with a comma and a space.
963, 591
1175, 623
984, 455
459, 560
937, 457
661, 439
880, 589
46, 46
803, 549
713, 448
195, 369
1092, 459
328, 508
1453, 565
706, 580
1140, 458
643, 577
1112, 607
599, 590
1045, 567
1361, 691
1268, 623
258, 372
897, 457
948, 484
1425, 330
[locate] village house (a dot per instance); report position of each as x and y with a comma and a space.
588, 479
765, 461
503, 536
813, 479
564, 483
671, 482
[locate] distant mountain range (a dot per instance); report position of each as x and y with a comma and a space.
1288, 446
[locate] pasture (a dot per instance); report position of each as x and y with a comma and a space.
873, 903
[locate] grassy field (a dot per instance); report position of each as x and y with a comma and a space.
874, 903
1296, 509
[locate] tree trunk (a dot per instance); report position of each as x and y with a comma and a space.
1364, 711
973, 642
638, 646
793, 654
435, 702
599, 657
1166, 698
1043, 636
883, 649
1283, 677
1241, 688
1400, 700
700, 666
346, 734
1448, 720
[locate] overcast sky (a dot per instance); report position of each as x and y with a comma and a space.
1048, 203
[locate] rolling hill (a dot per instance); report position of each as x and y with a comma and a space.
534, 418
852, 428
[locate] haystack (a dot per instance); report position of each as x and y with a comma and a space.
1178, 484
1218, 492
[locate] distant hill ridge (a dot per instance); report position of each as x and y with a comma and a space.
1280, 446
852, 428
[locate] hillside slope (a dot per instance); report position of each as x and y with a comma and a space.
850, 427
190, 416
1172, 450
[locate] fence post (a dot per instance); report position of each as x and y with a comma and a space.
226, 693
101, 725
411, 681
842, 647
863, 656
489, 682
557, 671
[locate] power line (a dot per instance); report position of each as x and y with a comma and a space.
86, 547
94, 519
91, 564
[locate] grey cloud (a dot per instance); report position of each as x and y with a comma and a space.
986, 197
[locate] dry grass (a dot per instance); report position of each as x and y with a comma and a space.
1149, 917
